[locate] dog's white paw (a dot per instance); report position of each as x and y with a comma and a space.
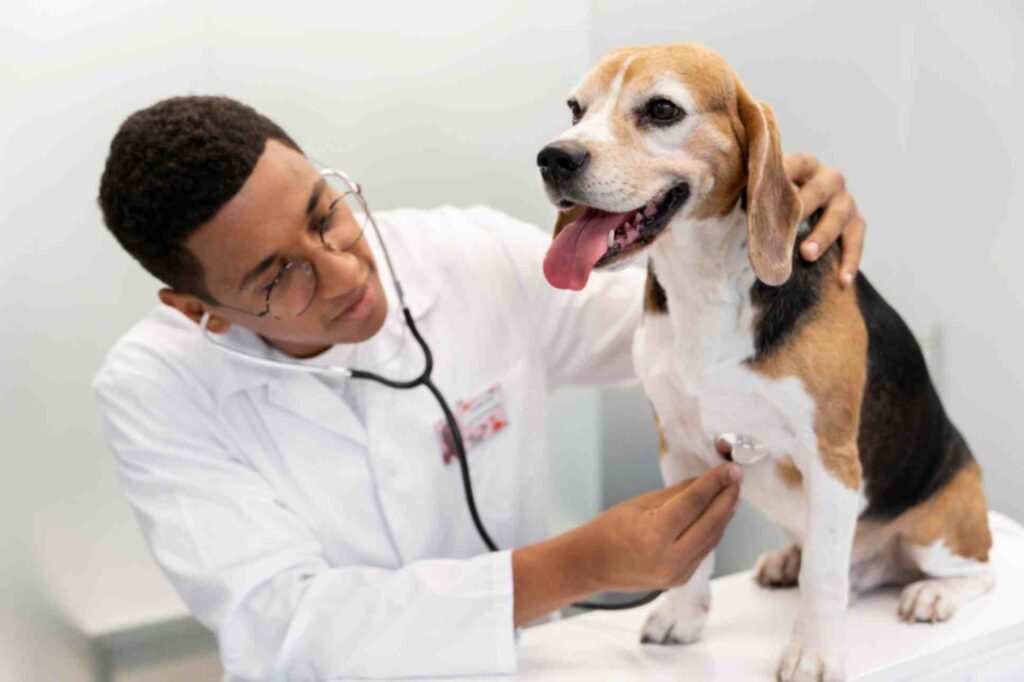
803, 662
780, 568
929, 601
676, 621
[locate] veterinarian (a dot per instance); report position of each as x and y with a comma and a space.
316, 523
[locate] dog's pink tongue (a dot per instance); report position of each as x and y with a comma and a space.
579, 246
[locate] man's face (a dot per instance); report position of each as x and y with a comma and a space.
270, 221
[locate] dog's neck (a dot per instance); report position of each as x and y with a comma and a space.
704, 269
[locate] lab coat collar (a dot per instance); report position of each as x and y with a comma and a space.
236, 374
306, 396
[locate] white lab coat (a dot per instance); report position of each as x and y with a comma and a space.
317, 548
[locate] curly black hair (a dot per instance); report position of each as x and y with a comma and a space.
171, 167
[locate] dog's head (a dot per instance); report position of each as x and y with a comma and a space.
661, 134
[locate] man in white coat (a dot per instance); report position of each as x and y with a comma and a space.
318, 525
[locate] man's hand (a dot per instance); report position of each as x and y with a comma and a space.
653, 541
657, 540
824, 186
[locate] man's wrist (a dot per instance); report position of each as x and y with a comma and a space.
574, 556
581, 554
552, 574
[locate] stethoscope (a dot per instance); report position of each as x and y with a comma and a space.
424, 379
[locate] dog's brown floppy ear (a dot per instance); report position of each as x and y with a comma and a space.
566, 217
773, 207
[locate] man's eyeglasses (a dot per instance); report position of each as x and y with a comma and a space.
291, 291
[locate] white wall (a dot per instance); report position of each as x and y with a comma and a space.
70, 73
919, 103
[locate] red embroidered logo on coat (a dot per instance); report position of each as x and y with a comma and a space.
479, 418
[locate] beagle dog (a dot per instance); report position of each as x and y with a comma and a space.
749, 353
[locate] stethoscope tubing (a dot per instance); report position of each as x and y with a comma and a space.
424, 379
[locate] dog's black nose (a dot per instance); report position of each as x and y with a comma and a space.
560, 161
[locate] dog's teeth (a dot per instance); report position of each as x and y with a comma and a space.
611, 238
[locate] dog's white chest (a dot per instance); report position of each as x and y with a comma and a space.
697, 403
700, 397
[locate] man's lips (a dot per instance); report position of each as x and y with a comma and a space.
364, 300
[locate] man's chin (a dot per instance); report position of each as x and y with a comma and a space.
336, 334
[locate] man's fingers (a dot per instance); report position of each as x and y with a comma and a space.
835, 217
706, 532
657, 497
853, 248
817, 190
689, 558
683, 509
799, 167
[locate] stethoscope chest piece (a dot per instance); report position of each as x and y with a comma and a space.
740, 449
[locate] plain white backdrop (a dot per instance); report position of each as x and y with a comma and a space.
447, 103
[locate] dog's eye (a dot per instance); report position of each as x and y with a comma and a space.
663, 111
576, 109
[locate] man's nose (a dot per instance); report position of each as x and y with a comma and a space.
339, 271
560, 161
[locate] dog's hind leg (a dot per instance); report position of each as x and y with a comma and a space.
948, 539
937, 599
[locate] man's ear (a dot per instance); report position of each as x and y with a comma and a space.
192, 308
773, 206
566, 217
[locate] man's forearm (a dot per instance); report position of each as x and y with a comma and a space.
548, 576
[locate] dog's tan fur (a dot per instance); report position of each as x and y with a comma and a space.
829, 355
956, 516
787, 471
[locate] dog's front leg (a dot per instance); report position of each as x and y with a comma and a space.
679, 617
816, 649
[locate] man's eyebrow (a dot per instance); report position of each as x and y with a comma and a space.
314, 196
260, 268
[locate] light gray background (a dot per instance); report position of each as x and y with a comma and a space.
447, 102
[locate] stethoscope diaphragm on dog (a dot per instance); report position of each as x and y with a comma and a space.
740, 449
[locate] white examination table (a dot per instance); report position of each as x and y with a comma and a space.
749, 626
